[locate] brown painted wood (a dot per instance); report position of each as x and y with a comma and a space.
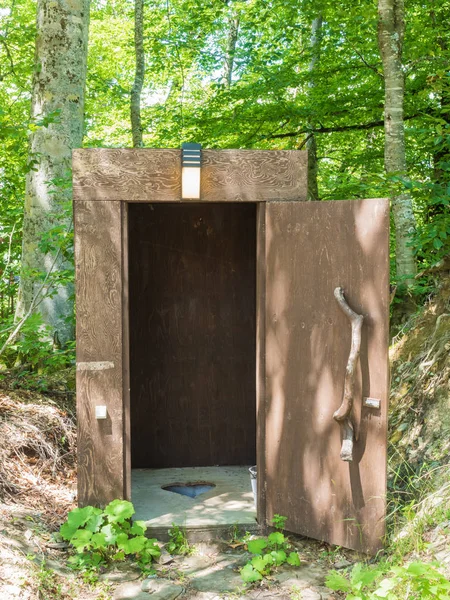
129, 174
312, 248
192, 334
147, 175
126, 356
253, 175
98, 263
260, 358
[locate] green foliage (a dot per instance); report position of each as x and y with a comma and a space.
49, 585
101, 537
279, 522
420, 581
33, 353
257, 546
178, 543
268, 103
270, 552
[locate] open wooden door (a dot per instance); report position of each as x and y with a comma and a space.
310, 249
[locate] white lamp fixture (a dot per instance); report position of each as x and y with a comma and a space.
190, 171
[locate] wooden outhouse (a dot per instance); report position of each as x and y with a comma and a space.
211, 332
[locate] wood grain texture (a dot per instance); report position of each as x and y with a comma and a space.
129, 174
126, 354
253, 175
312, 248
147, 175
98, 263
192, 334
260, 359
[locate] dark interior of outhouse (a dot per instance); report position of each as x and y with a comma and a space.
192, 323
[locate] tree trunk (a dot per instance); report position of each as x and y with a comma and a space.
135, 106
391, 28
233, 32
441, 154
57, 106
311, 143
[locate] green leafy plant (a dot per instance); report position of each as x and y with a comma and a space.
356, 584
49, 584
178, 543
416, 581
33, 353
269, 553
279, 522
101, 537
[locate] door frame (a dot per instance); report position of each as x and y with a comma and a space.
105, 181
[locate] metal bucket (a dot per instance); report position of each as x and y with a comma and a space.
254, 481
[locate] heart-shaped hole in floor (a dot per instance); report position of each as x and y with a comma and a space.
189, 489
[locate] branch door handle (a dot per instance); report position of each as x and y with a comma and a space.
343, 414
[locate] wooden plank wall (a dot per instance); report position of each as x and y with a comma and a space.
146, 175
99, 263
312, 248
192, 334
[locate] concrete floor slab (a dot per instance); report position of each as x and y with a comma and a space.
230, 502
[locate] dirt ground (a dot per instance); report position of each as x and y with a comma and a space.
38, 488
32, 567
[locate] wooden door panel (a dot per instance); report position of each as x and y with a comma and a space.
312, 248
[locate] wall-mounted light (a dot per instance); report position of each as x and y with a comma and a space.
190, 171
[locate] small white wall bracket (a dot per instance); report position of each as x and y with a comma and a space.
101, 412
372, 402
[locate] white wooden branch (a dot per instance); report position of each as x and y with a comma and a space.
343, 414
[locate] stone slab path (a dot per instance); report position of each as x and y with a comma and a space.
212, 573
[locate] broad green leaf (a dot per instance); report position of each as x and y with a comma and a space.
67, 531
138, 528
81, 539
363, 575
293, 559
250, 574
134, 545
276, 538
96, 558
95, 520
384, 588
119, 510
279, 556
121, 539
153, 549
75, 519
259, 563
109, 533
337, 582
257, 546
420, 569
98, 540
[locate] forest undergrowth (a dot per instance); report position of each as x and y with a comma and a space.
419, 432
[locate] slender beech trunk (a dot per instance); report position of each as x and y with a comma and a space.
233, 32
311, 143
57, 97
441, 154
391, 29
135, 106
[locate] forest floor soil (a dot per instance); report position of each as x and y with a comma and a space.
33, 567
38, 488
